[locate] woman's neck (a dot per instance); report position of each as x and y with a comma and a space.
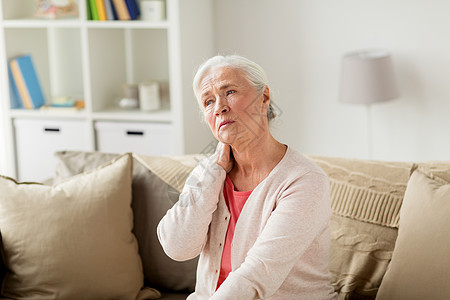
253, 162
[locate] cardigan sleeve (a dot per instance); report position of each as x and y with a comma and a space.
301, 215
182, 232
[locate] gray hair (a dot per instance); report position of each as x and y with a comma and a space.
252, 72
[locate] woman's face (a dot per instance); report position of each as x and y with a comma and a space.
234, 111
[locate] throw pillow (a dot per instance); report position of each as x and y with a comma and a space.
360, 253
72, 239
420, 267
153, 195
366, 198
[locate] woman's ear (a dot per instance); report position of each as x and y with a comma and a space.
266, 98
266, 94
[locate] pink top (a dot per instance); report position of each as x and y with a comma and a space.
235, 201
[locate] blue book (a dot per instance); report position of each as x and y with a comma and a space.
27, 82
13, 92
133, 9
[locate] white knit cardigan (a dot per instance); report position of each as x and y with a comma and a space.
281, 243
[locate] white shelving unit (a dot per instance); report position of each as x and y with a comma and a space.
93, 59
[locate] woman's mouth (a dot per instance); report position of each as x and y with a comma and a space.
225, 123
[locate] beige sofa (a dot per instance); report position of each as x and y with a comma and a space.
375, 240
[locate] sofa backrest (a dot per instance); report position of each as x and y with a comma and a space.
366, 200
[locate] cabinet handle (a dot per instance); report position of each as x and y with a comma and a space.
130, 132
51, 129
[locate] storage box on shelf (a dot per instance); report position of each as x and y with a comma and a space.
92, 60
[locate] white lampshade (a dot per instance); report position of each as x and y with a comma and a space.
367, 77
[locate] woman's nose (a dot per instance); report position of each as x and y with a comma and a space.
221, 106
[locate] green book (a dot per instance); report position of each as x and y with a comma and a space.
88, 11
94, 11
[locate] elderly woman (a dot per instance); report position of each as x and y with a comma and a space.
257, 211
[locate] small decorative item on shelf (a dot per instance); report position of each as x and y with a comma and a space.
56, 9
130, 98
149, 96
64, 104
153, 10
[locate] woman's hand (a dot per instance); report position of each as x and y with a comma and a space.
225, 156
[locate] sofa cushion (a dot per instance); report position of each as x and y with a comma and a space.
420, 268
71, 239
153, 195
439, 169
366, 198
360, 253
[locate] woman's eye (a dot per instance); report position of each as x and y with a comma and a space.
208, 102
230, 92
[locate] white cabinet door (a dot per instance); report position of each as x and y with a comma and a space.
142, 138
38, 140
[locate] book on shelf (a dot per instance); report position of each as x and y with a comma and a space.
133, 9
108, 9
101, 10
113, 9
121, 9
13, 92
88, 10
26, 82
93, 8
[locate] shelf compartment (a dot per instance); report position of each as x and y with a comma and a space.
18, 9
118, 56
56, 53
22, 9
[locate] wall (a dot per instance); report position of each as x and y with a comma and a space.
300, 44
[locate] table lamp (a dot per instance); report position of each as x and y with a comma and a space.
368, 77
